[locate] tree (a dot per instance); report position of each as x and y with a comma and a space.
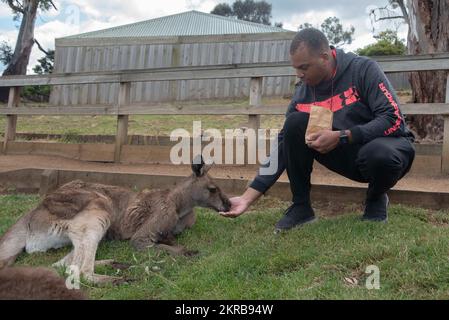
387, 44
248, 10
333, 29
428, 32
278, 24
223, 9
5, 53
26, 12
44, 66
334, 32
306, 25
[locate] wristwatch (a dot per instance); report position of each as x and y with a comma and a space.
344, 139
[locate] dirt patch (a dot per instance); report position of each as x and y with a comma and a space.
333, 209
322, 208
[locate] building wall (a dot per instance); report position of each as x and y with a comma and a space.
91, 57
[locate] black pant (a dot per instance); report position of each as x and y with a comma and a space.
380, 162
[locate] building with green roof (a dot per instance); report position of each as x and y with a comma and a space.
186, 39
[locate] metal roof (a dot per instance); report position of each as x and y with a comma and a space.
190, 23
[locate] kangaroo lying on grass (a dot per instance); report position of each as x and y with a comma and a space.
83, 214
25, 283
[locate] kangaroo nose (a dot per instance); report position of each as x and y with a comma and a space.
226, 204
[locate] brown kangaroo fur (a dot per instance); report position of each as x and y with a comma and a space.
25, 283
82, 214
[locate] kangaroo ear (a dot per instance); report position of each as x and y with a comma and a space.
198, 166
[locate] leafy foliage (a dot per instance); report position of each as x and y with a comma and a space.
40, 93
248, 10
387, 44
333, 29
5, 53
223, 9
45, 65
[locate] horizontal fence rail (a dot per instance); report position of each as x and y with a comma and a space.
388, 65
166, 109
256, 72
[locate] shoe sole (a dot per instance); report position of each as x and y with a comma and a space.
299, 225
375, 220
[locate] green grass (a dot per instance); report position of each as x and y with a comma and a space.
71, 126
151, 125
139, 125
244, 259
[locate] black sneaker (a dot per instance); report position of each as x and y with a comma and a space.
295, 216
376, 210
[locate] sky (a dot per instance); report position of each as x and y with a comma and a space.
78, 16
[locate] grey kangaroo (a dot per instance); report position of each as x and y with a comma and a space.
82, 214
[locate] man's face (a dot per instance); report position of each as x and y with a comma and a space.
310, 67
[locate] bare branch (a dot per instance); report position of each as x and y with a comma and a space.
40, 47
389, 18
404, 11
385, 13
54, 6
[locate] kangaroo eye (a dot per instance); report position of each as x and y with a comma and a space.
212, 189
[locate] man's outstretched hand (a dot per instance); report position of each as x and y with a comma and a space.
238, 206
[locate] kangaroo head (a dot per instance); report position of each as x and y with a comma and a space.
205, 192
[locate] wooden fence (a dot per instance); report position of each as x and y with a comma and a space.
256, 72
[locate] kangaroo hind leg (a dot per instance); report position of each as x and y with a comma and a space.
86, 232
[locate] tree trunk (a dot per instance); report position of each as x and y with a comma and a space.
24, 44
428, 33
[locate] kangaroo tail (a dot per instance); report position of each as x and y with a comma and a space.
13, 242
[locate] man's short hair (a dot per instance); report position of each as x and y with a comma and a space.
313, 38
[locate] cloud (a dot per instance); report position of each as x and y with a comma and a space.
316, 11
312, 17
202, 5
127, 11
345, 9
5, 11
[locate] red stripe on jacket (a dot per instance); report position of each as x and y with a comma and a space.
334, 103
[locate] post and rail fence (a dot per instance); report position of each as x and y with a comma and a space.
256, 72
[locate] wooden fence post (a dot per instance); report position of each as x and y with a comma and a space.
11, 120
255, 100
445, 155
122, 120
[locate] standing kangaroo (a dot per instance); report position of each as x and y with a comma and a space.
84, 213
